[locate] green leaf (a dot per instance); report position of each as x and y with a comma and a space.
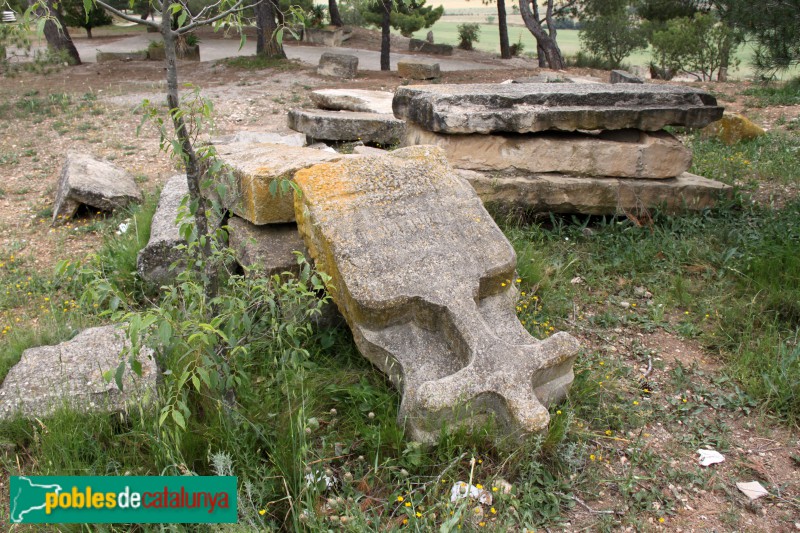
177, 416
119, 373
87, 8
196, 382
181, 18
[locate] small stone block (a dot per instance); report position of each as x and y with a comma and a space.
418, 45
338, 65
319, 124
418, 70
622, 76
268, 249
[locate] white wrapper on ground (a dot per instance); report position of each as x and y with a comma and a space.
463, 490
752, 489
710, 457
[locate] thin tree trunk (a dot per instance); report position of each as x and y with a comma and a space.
385, 35
505, 49
546, 45
266, 44
88, 33
333, 11
189, 156
55, 32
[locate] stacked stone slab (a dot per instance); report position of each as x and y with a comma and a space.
349, 115
585, 148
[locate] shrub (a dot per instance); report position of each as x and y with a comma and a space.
517, 48
468, 34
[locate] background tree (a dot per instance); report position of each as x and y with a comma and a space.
75, 16
468, 33
407, 17
267, 21
610, 31
55, 30
502, 27
547, 48
699, 45
333, 12
774, 27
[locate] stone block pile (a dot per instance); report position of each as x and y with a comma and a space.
347, 115
568, 148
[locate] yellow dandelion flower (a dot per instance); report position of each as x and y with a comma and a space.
405, 521
418, 515
400, 498
608, 432
479, 486
495, 489
493, 510
592, 457
635, 402
661, 520
407, 504
482, 524
558, 412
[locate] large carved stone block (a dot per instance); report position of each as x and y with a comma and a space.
619, 153
532, 107
423, 276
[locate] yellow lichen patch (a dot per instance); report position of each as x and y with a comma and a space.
733, 128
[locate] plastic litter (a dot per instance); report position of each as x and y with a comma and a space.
710, 457
462, 490
752, 490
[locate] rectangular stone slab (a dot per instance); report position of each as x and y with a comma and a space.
359, 100
253, 168
532, 107
347, 126
557, 193
423, 276
620, 153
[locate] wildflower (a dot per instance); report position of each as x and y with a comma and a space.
503, 284
400, 498
608, 432
635, 402
407, 504
685, 400
519, 280
493, 510
661, 520
558, 412
405, 521
479, 486
686, 312
482, 524
495, 489
418, 515
592, 457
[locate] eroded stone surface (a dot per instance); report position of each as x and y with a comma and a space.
733, 128
623, 76
270, 249
71, 373
154, 260
422, 274
620, 153
347, 126
93, 182
418, 70
359, 100
557, 193
337, 65
531, 107
254, 166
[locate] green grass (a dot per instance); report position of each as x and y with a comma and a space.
775, 94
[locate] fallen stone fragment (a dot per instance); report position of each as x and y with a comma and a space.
338, 65
753, 490
347, 126
622, 76
322, 146
620, 153
558, 193
418, 45
423, 276
289, 139
154, 260
71, 374
530, 107
253, 169
419, 70
270, 249
92, 182
359, 100
733, 128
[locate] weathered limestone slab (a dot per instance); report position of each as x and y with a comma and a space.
325, 36
71, 374
268, 249
733, 128
422, 275
96, 183
353, 100
619, 153
154, 260
244, 136
254, 166
338, 65
556, 193
530, 107
418, 45
418, 70
347, 126
368, 150
622, 76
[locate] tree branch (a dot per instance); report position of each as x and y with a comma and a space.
228, 12
127, 17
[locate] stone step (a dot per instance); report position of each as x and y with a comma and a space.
323, 125
358, 100
253, 169
558, 193
532, 107
423, 276
620, 153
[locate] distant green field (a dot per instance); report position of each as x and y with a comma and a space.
446, 31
